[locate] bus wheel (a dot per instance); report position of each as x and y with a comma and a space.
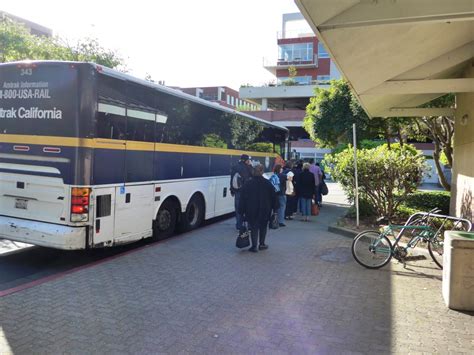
194, 214
165, 222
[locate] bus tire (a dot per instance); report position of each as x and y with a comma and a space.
194, 214
165, 223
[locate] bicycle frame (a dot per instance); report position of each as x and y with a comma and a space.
426, 233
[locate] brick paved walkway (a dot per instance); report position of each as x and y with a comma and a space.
198, 294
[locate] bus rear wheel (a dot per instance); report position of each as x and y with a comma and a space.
194, 214
165, 223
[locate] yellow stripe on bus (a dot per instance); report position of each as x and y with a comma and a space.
117, 144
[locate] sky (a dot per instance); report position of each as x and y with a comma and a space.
186, 43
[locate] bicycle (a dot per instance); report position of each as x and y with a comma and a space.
373, 249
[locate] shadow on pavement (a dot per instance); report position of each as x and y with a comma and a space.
199, 294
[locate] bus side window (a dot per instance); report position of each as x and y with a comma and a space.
111, 122
111, 116
141, 114
139, 129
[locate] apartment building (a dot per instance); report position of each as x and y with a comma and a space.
222, 95
301, 65
34, 28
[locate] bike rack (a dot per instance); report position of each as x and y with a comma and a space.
445, 218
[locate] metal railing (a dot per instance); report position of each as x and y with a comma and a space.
289, 62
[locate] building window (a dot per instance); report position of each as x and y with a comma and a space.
322, 51
323, 77
232, 101
295, 52
209, 97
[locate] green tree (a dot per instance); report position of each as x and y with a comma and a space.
386, 176
261, 147
243, 132
441, 131
16, 43
213, 140
331, 113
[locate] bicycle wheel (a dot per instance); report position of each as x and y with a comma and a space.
436, 248
371, 249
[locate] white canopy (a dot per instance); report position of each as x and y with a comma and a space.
397, 54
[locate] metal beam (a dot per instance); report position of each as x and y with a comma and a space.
405, 87
386, 12
440, 64
415, 112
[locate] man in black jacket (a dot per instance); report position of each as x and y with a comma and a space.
240, 175
257, 201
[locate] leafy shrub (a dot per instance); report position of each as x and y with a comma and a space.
403, 212
427, 200
370, 144
289, 82
366, 209
386, 176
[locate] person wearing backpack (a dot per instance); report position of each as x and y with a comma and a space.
241, 173
278, 180
257, 202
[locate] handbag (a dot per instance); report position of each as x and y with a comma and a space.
243, 239
314, 209
290, 190
273, 224
324, 188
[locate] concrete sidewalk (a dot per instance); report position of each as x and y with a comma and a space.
197, 293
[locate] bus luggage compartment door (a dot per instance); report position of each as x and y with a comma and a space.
104, 216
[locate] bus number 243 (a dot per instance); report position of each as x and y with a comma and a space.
26, 71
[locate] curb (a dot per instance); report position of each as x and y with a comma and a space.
345, 232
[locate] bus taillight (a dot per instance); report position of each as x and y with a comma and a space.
80, 198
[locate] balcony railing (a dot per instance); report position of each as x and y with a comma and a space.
284, 63
278, 83
303, 33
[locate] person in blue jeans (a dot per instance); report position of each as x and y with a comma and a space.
281, 194
305, 191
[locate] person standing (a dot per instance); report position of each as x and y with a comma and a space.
240, 175
319, 195
305, 189
292, 201
278, 180
257, 201
318, 175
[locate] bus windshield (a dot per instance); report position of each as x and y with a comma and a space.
38, 99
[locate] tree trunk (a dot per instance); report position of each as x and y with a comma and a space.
387, 138
442, 178
400, 138
441, 130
